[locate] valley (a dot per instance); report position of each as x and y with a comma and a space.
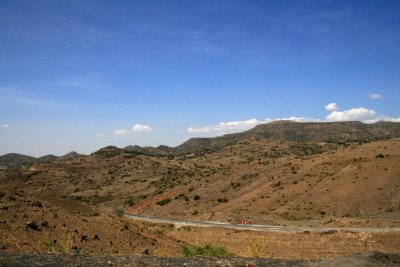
283, 174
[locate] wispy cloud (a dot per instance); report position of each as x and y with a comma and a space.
20, 98
227, 127
141, 128
375, 96
5, 125
82, 82
298, 119
120, 132
99, 134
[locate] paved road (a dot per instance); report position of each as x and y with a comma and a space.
254, 227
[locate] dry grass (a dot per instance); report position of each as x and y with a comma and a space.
290, 245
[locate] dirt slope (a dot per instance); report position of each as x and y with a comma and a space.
262, 180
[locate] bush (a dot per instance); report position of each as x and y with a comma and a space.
163, 202
159, 192
130, 202
196, 197
222, 199
119, 213
381, 156
95, 214
207, 250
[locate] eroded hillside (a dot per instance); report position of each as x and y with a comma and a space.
258, 180
75, 203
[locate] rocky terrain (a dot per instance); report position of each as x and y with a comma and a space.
286, 173
374, 259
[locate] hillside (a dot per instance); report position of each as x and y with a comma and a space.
287, 131
336, 174
15, 160
262, 168
290, 131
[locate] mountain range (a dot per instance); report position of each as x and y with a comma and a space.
287, 131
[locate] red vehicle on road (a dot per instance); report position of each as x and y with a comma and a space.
243, 222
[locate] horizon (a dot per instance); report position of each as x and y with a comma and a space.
79, 76
270, 122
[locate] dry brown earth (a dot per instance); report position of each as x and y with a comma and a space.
267, 181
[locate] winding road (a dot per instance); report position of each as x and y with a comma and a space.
254, 227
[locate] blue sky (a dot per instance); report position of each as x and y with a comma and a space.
79, 75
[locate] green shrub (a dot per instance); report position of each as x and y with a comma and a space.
222, 199
381, 156
196, 197
207, 250
179, 196
119, 212
95, 214
159, 192
195, 212
130, 202
163, 202
158, 232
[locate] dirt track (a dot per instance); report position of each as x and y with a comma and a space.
252, 227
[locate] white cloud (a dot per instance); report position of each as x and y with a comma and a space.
359, 114
120, 132
238, 126
5, 125
141, 128
298, 119
99, 134
331, 106
375, 96
354, 114
391, 119
205, 129
227, 127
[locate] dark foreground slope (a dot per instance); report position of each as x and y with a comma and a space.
376, 259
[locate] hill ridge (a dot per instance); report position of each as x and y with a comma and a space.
283, 130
